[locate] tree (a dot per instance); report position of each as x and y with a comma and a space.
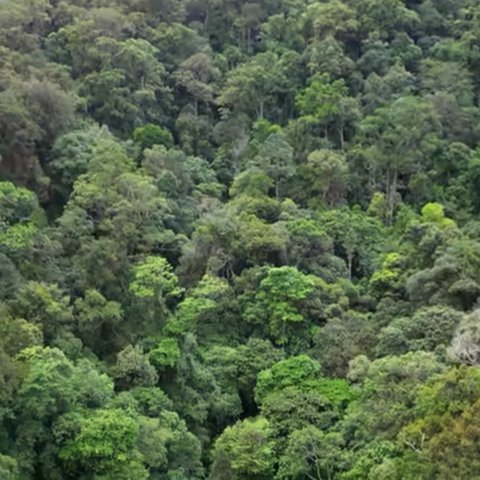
197, 76
47, 306
47, 95
443, 408
18, 133
154, 277
455, 265
326, 175
70, 156
275, 157
335, 18
97, 321
252, 86
244, 451
429, 329
51, 108
340, 340
294, 408
150, 135
249, 20
8, 467
207, 311
328, 56
18, 334
129, 87
285, 304
444, 451
396, 151
168, 448
112, 202
465, 346
253, 357
388, 388
326, 103
106, 446
20, 219
9, 381
380, 90
309, 247
313, 454
239, 239
357, 238
52, 386
385, 18
285, 373
155, 289
133, 368
303, 373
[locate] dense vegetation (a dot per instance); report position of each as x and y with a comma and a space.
239, 240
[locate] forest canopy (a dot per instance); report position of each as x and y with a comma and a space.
239, 240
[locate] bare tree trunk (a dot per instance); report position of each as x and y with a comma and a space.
206, 19
350, 264
260, 109
342, 136
392, 192
387, 185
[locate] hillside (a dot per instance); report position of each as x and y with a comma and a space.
239, 240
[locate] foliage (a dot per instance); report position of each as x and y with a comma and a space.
239, 239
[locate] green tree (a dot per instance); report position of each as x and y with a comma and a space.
8, 467
312, 453
20, 219
275, 157
46, 306
133, 368
325, 175
105, 446
287, 302
357, 238
52, 386
150, 135
327, 103
251, 87
388, 388
429, 329
385, 18
97, 321
244, 451
155, 290
197, 76
70, 156
129, 87
335, 18
395, 150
